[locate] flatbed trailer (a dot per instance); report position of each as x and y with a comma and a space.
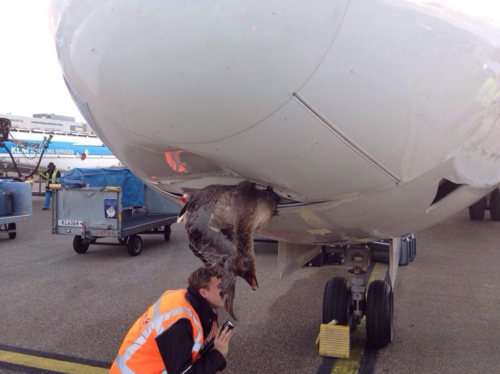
15, 205
90, 214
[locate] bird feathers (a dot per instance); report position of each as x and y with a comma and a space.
220, 222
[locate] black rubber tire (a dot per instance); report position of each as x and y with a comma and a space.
167, 232
495, 205
134, 245
379, 314
337, 302
476, 211
12, 226
79, 246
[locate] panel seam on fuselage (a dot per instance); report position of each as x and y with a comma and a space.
346, 139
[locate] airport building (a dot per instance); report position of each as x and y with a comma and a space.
48, 122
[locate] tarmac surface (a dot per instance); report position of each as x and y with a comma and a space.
55, 301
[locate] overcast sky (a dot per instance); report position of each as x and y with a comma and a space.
30, 78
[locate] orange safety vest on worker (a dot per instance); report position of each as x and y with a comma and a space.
174, 161
139, 352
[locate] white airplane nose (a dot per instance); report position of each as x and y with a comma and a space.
205, 70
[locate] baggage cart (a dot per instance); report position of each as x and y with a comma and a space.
91, 214
15, 205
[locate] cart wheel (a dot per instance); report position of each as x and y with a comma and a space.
166, 234
79, 246
123, 240
12, 226
134, 245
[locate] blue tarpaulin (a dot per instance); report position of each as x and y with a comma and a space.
132, 187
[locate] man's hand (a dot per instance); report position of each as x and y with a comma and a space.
221, 342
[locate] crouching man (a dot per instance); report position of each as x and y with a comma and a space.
168, 337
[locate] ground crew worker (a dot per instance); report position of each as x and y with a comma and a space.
50, 177
168, 337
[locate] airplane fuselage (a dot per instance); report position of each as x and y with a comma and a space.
371, 119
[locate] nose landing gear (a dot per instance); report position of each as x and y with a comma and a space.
349, 304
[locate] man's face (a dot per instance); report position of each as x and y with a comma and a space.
213, 293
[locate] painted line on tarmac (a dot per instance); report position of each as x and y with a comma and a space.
352, 364
31, 361
5, 367
362, 357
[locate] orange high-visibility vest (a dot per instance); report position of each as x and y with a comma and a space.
174, 160
139, 353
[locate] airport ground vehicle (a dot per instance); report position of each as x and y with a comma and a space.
15, 204
92, 212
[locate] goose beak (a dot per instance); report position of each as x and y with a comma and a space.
252, 281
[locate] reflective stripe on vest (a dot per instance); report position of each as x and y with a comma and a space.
159, 323
51, 179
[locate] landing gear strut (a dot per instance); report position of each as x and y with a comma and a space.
358, 290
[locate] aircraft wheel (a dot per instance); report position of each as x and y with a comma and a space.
337, 302
166, 234
476, 211
379, 314
134, 245
79, 246
12, 226
495, 205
